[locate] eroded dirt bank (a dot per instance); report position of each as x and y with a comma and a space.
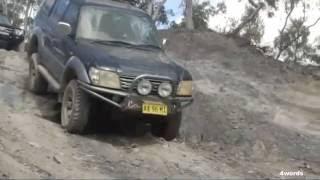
251, 118
254, 108
33, 145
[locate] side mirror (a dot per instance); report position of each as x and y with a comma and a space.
65, 28
164, 42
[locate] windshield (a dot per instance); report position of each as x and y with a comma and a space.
4, 20
108, 24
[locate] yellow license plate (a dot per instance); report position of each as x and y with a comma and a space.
155, 109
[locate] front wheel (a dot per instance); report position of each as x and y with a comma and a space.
75, 109
170, 129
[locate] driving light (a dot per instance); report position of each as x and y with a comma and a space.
165, 89
185, 88
144, 87
18, 32
104, 78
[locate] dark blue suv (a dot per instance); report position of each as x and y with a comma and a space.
107, 50
10, 36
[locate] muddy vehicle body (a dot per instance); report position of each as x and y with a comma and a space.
10, 36
110, 51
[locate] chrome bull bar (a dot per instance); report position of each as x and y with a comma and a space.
94, 91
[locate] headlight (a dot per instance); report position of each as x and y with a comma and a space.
185, 88
18, 32
165, 89
104, 78
144, 87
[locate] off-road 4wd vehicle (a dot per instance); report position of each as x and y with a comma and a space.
110, 51
10, 36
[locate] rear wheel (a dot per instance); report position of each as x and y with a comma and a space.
170, 129
75, 109
36, 81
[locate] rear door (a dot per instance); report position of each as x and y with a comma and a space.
42, 23
54, 35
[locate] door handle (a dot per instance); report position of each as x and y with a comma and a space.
59, 51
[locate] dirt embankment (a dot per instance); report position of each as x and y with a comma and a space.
251, 106
251, 118
33, 145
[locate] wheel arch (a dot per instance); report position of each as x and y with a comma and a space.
75, 69
35, 41
33, 45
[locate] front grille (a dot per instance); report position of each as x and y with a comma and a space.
4, 37
126, 82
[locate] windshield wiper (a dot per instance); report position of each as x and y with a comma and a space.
148, 46
105, 42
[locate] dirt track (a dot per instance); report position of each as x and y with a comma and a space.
243, 123
33, 145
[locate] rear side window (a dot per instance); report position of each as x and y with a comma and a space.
47, 5
59, 9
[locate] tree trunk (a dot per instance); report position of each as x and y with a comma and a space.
5, 7
150, 7
245, 22
26, 15
156, 12
281, 49
189, 15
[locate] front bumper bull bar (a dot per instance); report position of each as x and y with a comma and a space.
132, 101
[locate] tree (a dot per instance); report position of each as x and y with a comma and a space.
289, 7
4, 7
203, 11
189, 14
292, 42
155, 8
297, 34
27, 13
256, 7
18, 11
254, 30
201, 15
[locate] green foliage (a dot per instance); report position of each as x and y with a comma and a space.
203, 11
272, 3
254, 30
143, 4
163, 17
17, 8
294, 41
201, 15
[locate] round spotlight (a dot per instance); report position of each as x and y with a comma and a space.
144, 87
165, 90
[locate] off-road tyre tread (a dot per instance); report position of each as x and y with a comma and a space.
79, 122
170, 129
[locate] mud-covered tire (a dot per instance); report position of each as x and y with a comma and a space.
170, 129
75, 109
36, 82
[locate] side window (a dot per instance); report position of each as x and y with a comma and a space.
58, 10
71, 15
47, 5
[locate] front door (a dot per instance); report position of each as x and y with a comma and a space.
55, 39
